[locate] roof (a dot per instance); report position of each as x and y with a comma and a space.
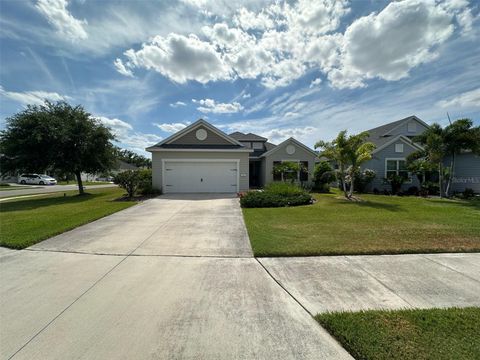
122, 165
237, 135
380, 135
166, 143
296, 142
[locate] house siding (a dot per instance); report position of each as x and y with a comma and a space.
377, 163
190, 138
467, 172
157, 157
281, 155
403, 129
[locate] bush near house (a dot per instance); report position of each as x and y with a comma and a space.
277, 194
136, 181
323, 175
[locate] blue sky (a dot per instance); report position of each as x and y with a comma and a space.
306, 69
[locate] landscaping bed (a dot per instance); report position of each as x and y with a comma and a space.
376, 225
28, 221
277, 194
407, 334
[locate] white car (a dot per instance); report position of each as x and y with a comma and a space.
36, 179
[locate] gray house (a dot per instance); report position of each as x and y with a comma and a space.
201, 158
394, 143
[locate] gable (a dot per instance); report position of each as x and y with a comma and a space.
290, 150
410, 127
190, 138
391, 150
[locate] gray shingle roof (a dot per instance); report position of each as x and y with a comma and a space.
377, 135
237, 135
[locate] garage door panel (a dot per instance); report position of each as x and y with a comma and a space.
201, 176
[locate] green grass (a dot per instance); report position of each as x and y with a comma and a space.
378, 225
436, 334
85, 183
25, 222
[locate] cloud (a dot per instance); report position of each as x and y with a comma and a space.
469, 99
315, 82
33, 97
126, 136
279, 135
178, 104
171, 128
180, 58
210, 106
60, 18
121, 68
388, 44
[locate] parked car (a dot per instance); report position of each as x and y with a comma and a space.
105, 178
36, 179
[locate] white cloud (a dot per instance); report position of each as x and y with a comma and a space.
469, 99
178, 104
210, 106
388, 44
279, 135
315, 82
126, 135
180, 59
121, 68
32, 97
60, 18
171, 128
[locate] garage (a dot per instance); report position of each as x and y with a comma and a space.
201, 176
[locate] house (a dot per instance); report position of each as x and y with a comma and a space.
120, 166
201, 158
394, 143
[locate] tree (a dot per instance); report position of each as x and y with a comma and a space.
133, 158
439, 143
288, 170
56, 137
348, 152
323, 175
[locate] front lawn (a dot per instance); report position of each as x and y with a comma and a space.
407, 334
25, 222
378, 225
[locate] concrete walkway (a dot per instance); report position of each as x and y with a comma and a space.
172, 278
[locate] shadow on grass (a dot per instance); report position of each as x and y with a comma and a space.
475, 203
32, 204
372, 204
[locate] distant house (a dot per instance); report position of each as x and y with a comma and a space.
119, 167
202, 158
394, 143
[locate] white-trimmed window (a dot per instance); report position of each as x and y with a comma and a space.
412, 127
399, 148
396, 167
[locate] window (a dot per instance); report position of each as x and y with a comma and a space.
304, 171
257, 145
399, 148
412, 127
396, 167
277, 177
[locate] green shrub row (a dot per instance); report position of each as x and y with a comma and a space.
276, 194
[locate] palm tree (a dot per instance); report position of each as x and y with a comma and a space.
347, 152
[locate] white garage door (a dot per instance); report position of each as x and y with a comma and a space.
200, 176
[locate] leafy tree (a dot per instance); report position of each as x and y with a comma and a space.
323, 175
439, 143
349, 152
288, 170
133, 158
58, 137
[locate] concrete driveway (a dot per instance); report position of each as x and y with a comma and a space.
171, 278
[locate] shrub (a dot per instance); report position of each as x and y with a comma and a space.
323, 175
429, 188
276, 194
363, 179
396, 182
413, 190
134, 180
259, 199
468, 193
288, 170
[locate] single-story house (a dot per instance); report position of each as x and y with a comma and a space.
394, 143
201, 158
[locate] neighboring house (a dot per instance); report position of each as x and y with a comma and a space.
120, 166
201, 158
394, 143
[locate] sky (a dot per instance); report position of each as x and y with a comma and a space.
306, 69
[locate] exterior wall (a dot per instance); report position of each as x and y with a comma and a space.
281, 155
378, 164
262, 172
403, 129
190, 139
157, 157
467, 172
